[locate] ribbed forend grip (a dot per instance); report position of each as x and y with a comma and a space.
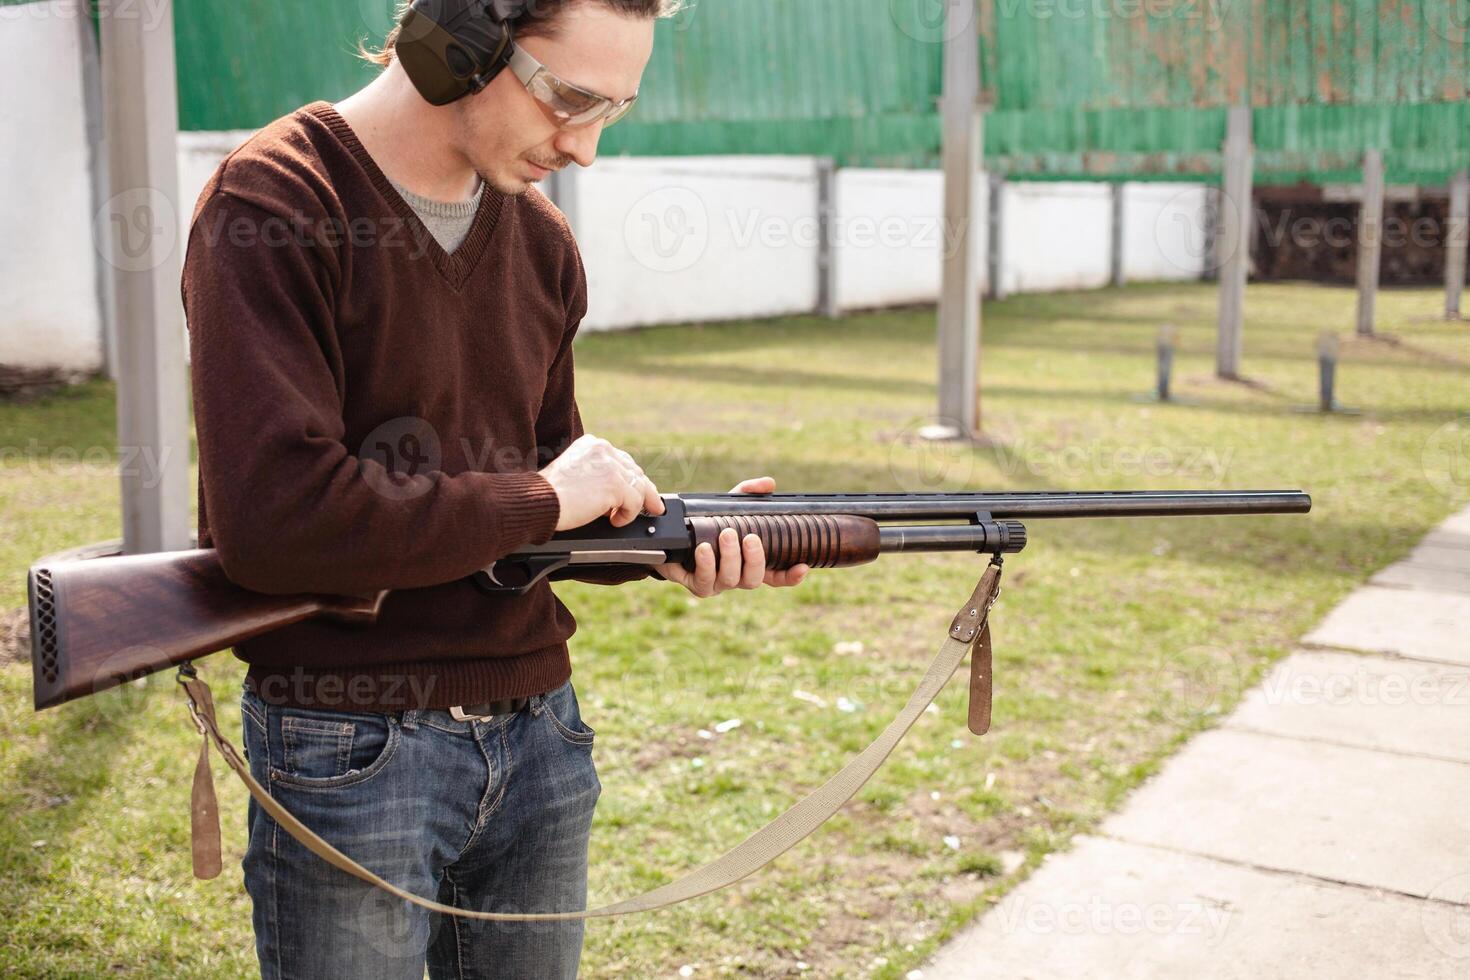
818, 540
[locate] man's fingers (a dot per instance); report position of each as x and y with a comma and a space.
788, 577
705, 572
728, 575
631, 505
759, 484
653, 503
753, 564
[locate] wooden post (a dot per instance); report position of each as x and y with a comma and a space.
959, 295
139, 226
1234, 240
1370, 240
1457, 229
827, 305
1117, 276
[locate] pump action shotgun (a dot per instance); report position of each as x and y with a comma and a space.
98, 622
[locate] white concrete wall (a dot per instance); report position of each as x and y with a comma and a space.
1164, 231
200, 155
664, 240
1055, 236
49, 310
680, 239
890, 236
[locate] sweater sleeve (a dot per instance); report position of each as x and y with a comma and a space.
288, 505
559, 423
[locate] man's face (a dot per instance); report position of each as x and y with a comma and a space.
504, 132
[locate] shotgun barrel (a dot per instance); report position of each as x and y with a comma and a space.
1018, 505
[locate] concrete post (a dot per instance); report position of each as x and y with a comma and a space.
1457, 230
140, 223
1370, 240
995, 232
92, 113
959, 295
827, 304
1234, 240
561, 188
1117, 276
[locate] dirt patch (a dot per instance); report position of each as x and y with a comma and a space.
24, 384
15, 636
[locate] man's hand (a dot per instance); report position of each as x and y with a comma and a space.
593, 479
742, 564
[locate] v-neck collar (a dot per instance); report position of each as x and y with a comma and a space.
454, 267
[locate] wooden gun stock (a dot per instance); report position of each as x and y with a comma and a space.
96, 624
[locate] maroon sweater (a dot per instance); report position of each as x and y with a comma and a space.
371, 414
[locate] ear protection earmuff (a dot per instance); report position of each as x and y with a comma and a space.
453, 48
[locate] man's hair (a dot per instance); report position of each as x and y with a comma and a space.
537, 18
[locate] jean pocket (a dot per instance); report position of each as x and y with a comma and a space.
323, 752
560, 708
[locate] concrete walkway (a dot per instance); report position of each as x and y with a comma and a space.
1322, 831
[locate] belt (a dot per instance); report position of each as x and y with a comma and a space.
487, 709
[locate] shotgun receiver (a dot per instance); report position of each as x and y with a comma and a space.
98, 622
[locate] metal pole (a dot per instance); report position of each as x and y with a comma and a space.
826, 239
1370, 240
1327, 371
1117, 277
1167, 338
140, 222
1234, 240
959, 297
1457, 230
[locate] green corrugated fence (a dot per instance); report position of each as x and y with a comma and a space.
1079, 88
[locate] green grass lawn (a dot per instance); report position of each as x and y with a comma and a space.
1115, 640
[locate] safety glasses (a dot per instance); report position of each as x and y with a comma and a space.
570, 106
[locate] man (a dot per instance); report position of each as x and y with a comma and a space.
381, 312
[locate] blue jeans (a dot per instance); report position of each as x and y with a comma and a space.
490, 815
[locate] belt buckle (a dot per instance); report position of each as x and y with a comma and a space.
458, 714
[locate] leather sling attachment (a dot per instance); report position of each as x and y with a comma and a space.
754, 853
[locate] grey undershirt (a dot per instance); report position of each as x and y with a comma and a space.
449, 223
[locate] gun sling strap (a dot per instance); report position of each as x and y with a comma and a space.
970, 627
